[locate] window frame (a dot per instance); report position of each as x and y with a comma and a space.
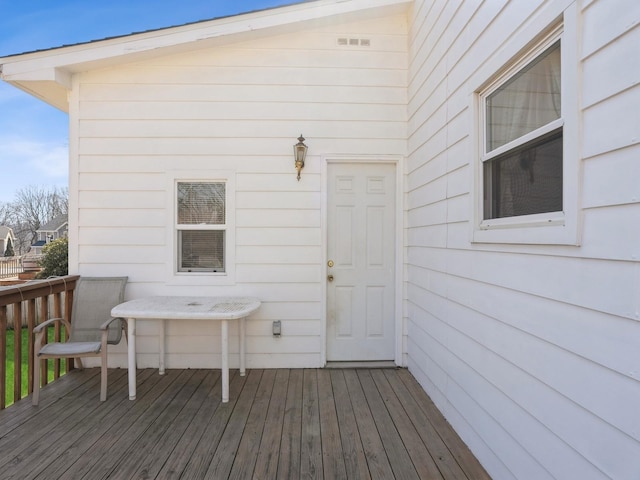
200, 227
198, 277
561, 227
550, 40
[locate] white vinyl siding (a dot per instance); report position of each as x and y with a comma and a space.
233, 112
529, 350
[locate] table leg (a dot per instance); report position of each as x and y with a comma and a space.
224, 327
161, 337
242, 347
131, 330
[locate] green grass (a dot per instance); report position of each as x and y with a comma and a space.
25, 354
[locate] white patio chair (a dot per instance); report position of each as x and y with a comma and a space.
91, 329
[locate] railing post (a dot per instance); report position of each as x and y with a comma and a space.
3, 355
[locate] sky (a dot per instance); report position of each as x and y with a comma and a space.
34, 135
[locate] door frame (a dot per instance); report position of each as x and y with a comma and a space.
398, 162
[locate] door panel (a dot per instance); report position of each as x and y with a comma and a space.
361, 231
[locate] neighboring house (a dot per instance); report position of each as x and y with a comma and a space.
6, 237
56, 228
471, 188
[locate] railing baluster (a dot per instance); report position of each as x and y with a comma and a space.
17, 351
31, 324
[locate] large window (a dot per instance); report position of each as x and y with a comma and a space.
201, 226
523, 139
527, 168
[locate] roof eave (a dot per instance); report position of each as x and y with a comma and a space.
50, 85
46, 74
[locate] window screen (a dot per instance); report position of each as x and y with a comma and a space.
525, 181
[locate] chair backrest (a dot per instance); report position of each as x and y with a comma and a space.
93, 299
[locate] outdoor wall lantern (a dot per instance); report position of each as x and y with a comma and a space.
299, 153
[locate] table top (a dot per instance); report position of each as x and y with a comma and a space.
187, 308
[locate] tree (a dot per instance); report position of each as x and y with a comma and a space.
9, 250
32, 208
55, 260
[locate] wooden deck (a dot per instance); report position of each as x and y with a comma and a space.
279, 424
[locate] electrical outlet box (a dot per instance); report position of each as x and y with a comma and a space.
277, 328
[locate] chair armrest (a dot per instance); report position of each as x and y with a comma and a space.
43, 325
106, 324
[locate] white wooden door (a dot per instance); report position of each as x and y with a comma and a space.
361, 262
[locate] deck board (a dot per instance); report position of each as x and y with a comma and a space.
416, 449
350, 423
289, 462
216, 425
311, 446
397, 454
269, 450
353, 454
157, 441
185, 447
247, 452
224, 456
331, 446
377, 461
73, 430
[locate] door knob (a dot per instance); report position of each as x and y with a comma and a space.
330, 278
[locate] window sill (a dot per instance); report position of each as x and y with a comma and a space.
544, 229
525, 221
201, 279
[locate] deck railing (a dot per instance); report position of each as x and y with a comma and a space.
10, 267
36, 301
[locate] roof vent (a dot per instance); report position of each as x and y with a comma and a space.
354, 42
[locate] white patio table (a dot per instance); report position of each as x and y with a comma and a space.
221, 309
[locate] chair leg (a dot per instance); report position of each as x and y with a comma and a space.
36, 380
103, 374
36, 367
